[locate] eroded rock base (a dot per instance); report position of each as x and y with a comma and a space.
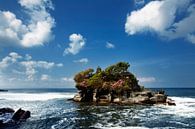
146, 97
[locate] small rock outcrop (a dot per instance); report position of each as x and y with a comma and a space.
6, 110
8, 117
116, 85
21, 115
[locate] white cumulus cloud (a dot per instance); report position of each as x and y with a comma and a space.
77, 42
82, 60
18, 71
10, 59
146, 79
139, 2
44, 77
67, 79
191, 38
28, 57
31, 67
59, 65
15, 64
109, 45
37, 30
161, 17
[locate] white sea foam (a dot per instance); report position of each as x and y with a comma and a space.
34, 96
130, 127
59, 123
185, 107
120, 127
127, 127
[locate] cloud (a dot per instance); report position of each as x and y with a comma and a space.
10, 59
41, 64
16, 64
28, 57
30, 70
77, 42
32, 65
109, 45
36, 31
59, 65
82, 60
161, 17
44, 77
22, 71
67, 79
191, 38
146, 79
139, 2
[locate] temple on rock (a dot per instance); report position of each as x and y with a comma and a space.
117, 85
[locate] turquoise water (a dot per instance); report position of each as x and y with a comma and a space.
51, 110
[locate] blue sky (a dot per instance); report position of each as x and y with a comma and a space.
44, 43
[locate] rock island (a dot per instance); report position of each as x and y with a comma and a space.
115, 85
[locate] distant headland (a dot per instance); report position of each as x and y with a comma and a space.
2, 90
115, 85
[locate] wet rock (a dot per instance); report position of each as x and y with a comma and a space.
104, 99
25, 116
77, 97
170, 102
158, 98
6, 110
141, 100
9, 118
1, 123
21, 115
143, 93
17, 115
145, 97
116, 100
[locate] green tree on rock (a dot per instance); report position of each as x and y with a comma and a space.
115, 79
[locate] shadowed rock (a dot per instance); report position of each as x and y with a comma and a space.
170, 102
9, 118
6, 110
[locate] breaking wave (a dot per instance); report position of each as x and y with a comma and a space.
34, 96
185, 107
132, 117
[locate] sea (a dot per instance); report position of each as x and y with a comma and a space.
52, 109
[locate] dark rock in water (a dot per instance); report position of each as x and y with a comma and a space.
21, 115
25, 115
170, 102
17, 115
9, 118
70, 99
6, 110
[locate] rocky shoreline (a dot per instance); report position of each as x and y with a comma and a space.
146, 97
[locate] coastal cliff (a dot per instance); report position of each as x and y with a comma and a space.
116, 85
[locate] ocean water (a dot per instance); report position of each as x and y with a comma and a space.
51, 109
